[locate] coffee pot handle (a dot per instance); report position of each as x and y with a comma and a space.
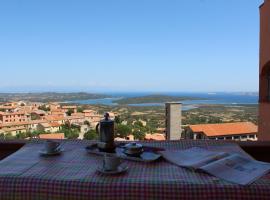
103, 164
97, 128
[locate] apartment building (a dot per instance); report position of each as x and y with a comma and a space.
8, 117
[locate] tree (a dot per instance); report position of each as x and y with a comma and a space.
75, 126
44, 108
70, 133
34, 117
123, 130
2, 136
67, 125
138, 124
90, 135
69, 112
86, 123
36, 133
21, 135
80, 109
139, 135
9, 136
117, 120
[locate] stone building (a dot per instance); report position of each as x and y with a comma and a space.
173, 121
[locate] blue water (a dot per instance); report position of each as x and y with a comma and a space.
208, 98
106, 101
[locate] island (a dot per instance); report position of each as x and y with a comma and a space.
50, 96
153, 99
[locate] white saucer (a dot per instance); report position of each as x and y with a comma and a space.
149, 156
46, 153
120, 169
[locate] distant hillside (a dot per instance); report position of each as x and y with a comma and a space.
49, 96
153, 99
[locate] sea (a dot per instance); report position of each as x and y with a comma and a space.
221, 98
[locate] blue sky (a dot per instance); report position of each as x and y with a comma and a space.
129, 45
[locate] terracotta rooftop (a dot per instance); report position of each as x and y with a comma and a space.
54, 118
56, 136
48, 125
57, 113
155, 136
88, 111
12, 113
69, 107
54, 124
39, 112
7, 107
238, 128
78, 114
45, 125
74, 117
57, 110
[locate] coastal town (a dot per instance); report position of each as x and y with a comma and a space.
25, 120
54, 120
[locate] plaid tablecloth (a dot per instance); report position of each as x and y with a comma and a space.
25, 175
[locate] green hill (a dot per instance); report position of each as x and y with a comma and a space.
153, 99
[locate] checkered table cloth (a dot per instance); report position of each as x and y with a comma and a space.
72, 175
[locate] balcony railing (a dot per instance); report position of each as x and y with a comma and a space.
259, 150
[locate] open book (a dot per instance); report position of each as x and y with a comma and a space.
234, 168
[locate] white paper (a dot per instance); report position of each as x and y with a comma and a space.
192, 158
237, 169
234, 168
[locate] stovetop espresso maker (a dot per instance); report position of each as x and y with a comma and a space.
105, 129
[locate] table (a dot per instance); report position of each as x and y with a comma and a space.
25, 175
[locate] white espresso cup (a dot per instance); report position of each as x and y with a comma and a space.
51, 146
111, 162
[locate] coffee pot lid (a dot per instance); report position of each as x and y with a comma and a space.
106, 118
133, 146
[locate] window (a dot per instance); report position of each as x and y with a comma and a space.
236, 137
199, 136
252, 136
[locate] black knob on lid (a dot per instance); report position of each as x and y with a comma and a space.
107, 116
